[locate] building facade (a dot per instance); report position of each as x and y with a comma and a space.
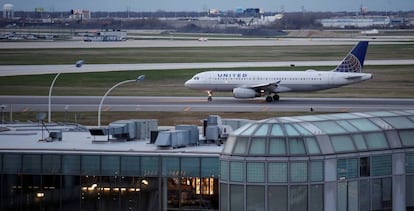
347, 161
105, 181
360, 161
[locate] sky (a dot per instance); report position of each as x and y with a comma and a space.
204, 5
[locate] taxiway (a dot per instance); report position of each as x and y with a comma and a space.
187, 104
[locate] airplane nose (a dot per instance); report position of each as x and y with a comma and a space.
187, 83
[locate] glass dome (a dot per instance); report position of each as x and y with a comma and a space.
323, 134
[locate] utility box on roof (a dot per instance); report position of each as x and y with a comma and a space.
174, 138
193, 133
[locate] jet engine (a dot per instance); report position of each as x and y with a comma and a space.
241, 92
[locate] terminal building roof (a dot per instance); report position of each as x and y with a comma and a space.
276, 137
26, 137
323, 134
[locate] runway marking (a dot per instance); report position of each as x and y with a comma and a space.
344, 109
187, 109
265, 109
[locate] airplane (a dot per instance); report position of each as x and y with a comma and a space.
252, 84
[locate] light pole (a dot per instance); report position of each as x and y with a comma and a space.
140, 78
78, 64
49, 115
2, 107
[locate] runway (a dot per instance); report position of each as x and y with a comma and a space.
14, 70
150, 42
188, 104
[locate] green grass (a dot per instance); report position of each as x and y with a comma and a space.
388, 82
196, 54
164, 118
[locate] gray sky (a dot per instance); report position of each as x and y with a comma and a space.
202, 5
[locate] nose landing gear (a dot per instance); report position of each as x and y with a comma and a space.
210, 95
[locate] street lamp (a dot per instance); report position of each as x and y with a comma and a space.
78, 64
49, 115
140, 78
2, 107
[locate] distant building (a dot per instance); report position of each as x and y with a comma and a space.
356, 22
8, 11
80, 14
107, 35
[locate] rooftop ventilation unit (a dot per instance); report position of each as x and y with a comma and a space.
127, 129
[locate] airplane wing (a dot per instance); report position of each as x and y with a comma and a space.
268, 87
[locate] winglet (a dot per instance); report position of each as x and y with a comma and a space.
354, 61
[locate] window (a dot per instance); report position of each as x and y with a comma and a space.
330, 127
381, 165
236, 198
149, 166
190, 167
249, 131
298, 172
347, 168
277, 198
409, 195
110, 165
277, 172
51, 164
407, 137
316, 171
316, 198
312, 146
71, 164
130, 165
277, 146
296, 146
236, 171
224, 170
32, 164
276, 130
376, 141
12, 163
262, 131
241, 145
364, 167
228, 147
258, 146
170, 166
359, 142
298, 198
364, 124
255, 197
342, 143
255, 172
409, 163
364, 195
291, 131
210, 167
223, 197
90, 164
381, 194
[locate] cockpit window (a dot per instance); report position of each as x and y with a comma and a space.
196, 78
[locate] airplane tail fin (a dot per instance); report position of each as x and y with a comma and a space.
354, 61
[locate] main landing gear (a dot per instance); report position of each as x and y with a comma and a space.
270, 99
210, 96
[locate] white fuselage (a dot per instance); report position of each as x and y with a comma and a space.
287, 81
